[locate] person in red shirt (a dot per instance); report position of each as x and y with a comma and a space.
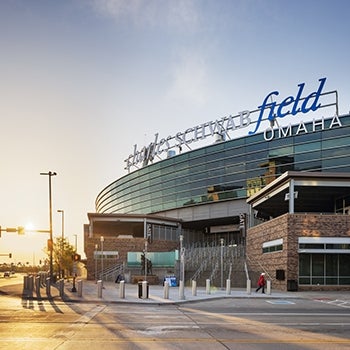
261, 283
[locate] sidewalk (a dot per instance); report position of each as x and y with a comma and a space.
111, 294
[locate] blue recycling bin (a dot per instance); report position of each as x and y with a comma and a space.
172, 281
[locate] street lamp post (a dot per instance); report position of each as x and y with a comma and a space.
96, 247
222, 261
61, 258
182, 269
50, 174
102, 239
145, 252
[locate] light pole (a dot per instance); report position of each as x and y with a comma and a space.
222, 261
96, 247
146, 248
50, 174
182, 269
61, 259
102, 239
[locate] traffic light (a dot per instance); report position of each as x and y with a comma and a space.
20, 230
10, 255
76, 257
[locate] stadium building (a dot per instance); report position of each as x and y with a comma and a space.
270, 193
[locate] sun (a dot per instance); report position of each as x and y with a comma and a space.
29, 226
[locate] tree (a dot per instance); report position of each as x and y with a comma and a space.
62, 252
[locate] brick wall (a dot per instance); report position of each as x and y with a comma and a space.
289, 227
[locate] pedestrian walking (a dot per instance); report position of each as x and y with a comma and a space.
261, 283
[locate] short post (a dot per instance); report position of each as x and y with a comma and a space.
166, 290
30, 283
37, 286
80, 288
268, 287
99, 289
61, 287
74, 289
48, 287
249, 287
194, 288
122, 289
228, 287
181, 290
144, 290
25, 282
207, 286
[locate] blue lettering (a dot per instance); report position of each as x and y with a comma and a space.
316, 94
262, 109
296, 110
288, 101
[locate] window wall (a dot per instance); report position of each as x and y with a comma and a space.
324, 269
225, 171
324, 260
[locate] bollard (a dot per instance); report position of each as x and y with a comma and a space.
122, 289
249, 287
61, 287
194, 288
30, 283
207, 286
166, 290
145, 290
48, 287
228, 287
182, 290
80, 288
37, 286
99, 289
42, 279
25, 282
268, 287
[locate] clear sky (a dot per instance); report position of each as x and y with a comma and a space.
82, 81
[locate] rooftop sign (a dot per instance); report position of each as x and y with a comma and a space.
267, 111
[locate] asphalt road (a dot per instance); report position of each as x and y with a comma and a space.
213, 324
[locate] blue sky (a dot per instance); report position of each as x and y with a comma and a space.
82, 81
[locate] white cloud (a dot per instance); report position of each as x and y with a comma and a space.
180, 14
189, 80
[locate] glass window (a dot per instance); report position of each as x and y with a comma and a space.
335, 152
307, 156
317, 265
344, 265
304, 280
331, 280
304, 264
332, 265
332, 162
307, 147
282, 151
337, 142
311, 246
307, 137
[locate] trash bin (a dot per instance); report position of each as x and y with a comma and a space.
292, 285
140, 289
172, 281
